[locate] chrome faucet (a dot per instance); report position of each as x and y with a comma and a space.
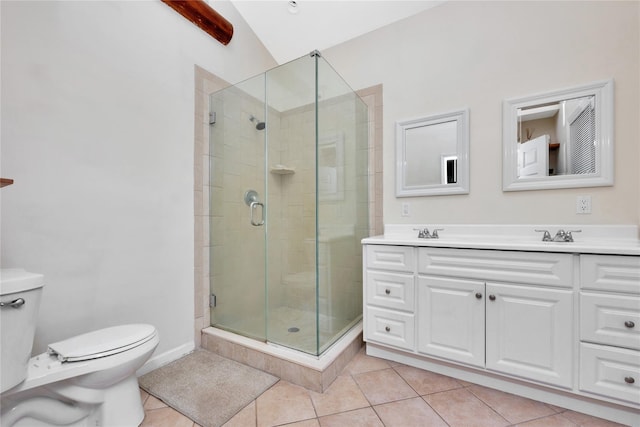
561, 235
424, 233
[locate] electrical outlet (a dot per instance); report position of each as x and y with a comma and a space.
583, 204
405, 209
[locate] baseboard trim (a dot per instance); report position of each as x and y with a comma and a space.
167, 357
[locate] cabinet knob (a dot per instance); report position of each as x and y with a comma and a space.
492, 297
629, 324
386, 328
629, 380
387, 291
478, 295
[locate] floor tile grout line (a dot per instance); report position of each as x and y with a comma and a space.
421, 396
470, 389
472, 386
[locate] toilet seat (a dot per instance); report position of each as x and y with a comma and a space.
101, 343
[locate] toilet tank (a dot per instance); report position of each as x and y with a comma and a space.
20, 293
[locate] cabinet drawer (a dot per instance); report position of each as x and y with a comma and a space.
610, 371
610, 273
390, 327
538, 268
610, 319
391, 290
394, 258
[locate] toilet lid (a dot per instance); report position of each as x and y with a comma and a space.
101, 343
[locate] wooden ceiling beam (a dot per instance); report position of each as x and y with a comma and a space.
201, 14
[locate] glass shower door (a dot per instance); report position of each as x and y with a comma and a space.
237, 208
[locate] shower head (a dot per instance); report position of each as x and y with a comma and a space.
259, 125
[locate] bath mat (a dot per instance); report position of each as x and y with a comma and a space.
205, 387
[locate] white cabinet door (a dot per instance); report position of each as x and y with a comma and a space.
530, 333
451, 319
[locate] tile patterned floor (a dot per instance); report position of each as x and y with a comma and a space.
373, 392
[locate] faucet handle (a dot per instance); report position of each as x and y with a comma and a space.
546, 237
423, 234
569, 237
434, 235
561, 236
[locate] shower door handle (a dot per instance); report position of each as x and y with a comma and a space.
252, 207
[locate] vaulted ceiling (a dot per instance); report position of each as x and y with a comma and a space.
292, 29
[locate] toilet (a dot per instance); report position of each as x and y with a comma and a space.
86, 380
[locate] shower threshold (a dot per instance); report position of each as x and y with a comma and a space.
312, 372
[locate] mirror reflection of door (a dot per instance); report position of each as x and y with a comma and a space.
533, 157
449, 169
566, 128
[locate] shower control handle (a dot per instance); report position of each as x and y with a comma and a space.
251, 200
252, 207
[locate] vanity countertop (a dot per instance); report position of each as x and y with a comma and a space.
608, 239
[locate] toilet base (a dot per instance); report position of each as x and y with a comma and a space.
59, 404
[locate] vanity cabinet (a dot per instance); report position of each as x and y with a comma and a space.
541, 324
610, 326
521, 326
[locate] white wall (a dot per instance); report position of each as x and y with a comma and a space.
475, 54
97, 132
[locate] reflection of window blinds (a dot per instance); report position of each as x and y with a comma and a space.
583, 135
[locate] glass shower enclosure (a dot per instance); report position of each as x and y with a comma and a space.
288, 205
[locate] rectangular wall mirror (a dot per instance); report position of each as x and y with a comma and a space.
559, 139
432, 155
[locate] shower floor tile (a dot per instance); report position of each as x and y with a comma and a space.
294, 328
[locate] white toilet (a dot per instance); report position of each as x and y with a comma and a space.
87, 380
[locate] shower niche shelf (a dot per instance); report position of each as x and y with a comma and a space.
282, 170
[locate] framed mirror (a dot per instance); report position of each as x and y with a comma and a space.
432, 155
559, 139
